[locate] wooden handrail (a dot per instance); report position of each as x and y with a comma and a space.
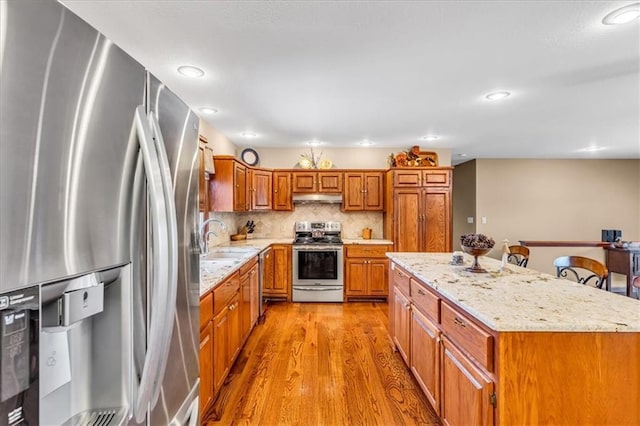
533, 243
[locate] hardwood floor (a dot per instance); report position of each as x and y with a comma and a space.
321, 364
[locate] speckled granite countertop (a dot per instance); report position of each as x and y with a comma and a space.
361, 241
522, 299
213, 274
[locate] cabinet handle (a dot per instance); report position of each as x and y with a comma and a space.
457, 321
421, 293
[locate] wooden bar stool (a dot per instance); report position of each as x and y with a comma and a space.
582, 269
518, 255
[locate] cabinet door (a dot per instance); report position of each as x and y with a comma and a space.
436, 220
425, 356
304, 181
203, 182
240, 187
261, 191
436, 177
329, 182
353, 192
267, 271
282, 270
378, 277
245, 306
466, 390
407, 215
206, 366
220, 349
235, 330
356, 276
282, 191
254, 284
407, 178
401, 324
373, 191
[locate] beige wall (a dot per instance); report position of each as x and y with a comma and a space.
557, 200
342, 158
464, 200
220, 144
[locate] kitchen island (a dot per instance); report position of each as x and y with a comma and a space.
518, 347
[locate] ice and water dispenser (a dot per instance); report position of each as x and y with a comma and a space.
66, 351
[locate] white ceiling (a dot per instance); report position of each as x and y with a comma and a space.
394, 71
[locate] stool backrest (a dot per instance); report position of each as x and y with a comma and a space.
583, 269
519, 255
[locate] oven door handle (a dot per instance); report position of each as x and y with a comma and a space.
323, 288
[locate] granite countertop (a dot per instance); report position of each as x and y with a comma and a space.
361, 241
213, 274
522, 299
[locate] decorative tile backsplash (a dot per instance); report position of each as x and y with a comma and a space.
280, 224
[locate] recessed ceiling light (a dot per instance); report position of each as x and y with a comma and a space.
190, 71
208, 110
623, 15
593, 148
248, 135
314, 142
496, 96
430, 137
366, 142
462, 155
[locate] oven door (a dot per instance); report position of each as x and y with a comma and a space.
318, 274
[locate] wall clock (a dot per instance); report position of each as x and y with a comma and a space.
250, 156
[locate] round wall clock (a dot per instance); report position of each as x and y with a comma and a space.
250, 156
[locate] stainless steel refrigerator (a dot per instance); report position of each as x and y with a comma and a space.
99, 264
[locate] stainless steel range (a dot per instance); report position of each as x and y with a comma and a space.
318, 262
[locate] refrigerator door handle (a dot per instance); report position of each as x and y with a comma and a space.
160, 268
172, 226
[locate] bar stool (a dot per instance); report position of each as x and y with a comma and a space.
518, 255
582, 269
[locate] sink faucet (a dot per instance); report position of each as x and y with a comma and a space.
204, 247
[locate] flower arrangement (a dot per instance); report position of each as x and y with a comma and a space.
310, 159
413, 157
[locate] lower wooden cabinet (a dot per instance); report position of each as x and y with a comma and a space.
220, 348
402, 323
366, 271
248, 298
206, 352
280, 286
425, 356
466, 390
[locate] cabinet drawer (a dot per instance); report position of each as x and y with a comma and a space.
400, 279
468, 336
435, 177
247, 266
406, 178
366, 250
425, 300
206, 309
224, 292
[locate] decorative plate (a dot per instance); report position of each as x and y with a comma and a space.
250, 156
305, 163
325, 164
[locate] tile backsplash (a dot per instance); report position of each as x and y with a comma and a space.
280, 224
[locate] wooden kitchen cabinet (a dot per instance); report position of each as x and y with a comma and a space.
402, 324
282, 197
226, 328
203, 183
248, 298
220, 349
280, 287
363, 191
313, 181
366, 271
419, 215
467, 391
206, 351
229, 186
261, 189
425, 356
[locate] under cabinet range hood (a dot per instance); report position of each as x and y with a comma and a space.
317, 198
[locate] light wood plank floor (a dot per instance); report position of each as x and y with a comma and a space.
321, 364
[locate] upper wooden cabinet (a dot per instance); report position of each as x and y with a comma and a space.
205, 162
363, 191
314, 181
228, 187
402, 178
282, 191
261, 189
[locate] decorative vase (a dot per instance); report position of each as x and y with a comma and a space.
475, 252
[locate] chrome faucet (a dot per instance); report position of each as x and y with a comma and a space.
204, 247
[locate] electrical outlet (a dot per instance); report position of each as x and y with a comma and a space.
470, 219
484, 220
